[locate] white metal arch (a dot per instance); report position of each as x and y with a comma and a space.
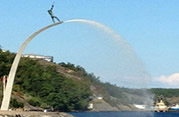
12, 73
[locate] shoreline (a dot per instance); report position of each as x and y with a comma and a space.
33, 114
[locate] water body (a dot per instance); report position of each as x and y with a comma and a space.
125, 114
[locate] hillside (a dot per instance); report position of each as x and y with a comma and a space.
66, 87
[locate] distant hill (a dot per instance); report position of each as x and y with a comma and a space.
40, 84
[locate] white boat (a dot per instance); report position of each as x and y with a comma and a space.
138, 106
161, 107
174, 108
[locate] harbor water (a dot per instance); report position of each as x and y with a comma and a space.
125, 114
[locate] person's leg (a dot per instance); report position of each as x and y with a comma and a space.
53, 20
56, 18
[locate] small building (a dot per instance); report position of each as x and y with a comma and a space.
90, 106
4, 50
34, 56
99, 98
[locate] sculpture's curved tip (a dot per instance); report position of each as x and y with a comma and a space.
59, 22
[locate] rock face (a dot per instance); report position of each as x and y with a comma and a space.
33, 114
101, 105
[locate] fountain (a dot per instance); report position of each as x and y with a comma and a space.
136, 64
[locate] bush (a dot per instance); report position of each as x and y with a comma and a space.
16, 104
34, 102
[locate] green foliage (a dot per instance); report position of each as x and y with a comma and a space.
71, 93
16, 104
52, 88
45, 86
6, 59
79, 71
165, 92
34, 102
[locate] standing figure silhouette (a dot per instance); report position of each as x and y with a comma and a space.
51, 14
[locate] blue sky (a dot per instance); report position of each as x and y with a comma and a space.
149, 26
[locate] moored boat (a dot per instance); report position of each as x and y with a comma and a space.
160, 107
174, 108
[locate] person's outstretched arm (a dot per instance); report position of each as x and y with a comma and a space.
52, 7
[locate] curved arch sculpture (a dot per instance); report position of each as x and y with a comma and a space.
12, 73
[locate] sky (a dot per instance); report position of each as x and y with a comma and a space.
149, 26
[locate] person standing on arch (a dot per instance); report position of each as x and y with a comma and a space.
52, 16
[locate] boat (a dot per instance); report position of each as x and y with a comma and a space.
174, 108
160, 107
